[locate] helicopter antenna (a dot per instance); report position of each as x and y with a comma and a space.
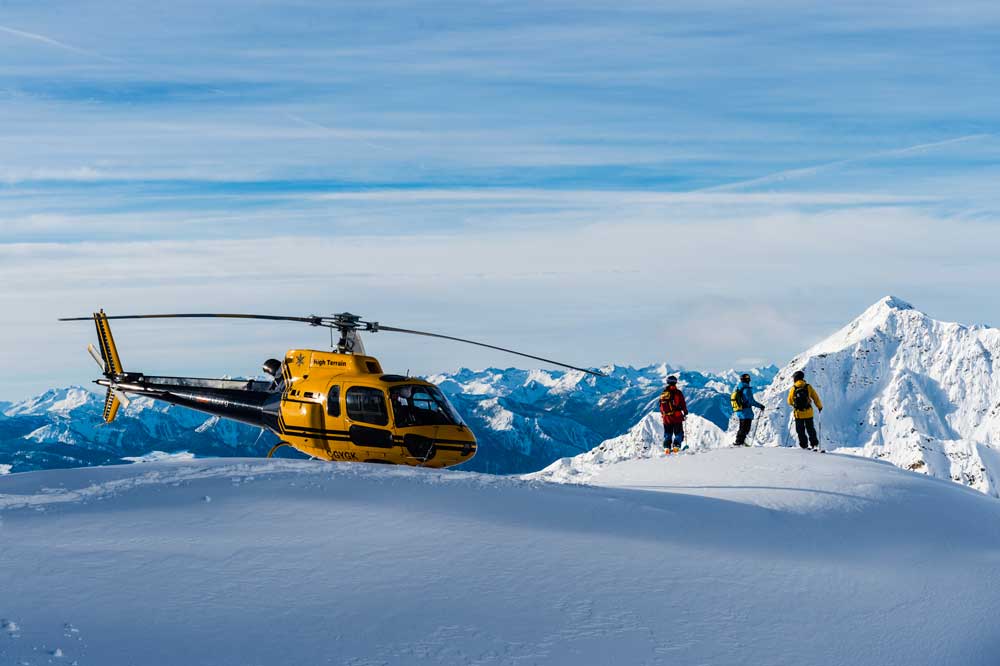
349, 325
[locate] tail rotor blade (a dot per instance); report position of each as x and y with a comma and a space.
122, 398
111, 405
97, 358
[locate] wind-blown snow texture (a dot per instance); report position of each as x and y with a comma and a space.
762, 556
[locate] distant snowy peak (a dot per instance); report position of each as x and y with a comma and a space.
760, 376
62, 401
532, 384
881, 316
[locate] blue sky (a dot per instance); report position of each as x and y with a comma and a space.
708, 184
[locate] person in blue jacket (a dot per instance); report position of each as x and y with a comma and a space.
743, 404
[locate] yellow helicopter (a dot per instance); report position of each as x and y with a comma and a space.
332, 405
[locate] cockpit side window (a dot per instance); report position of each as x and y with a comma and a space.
367, 405
333, 401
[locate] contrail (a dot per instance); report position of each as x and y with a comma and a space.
340, 134
807, 171
52, 42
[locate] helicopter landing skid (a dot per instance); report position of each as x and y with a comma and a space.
276, 447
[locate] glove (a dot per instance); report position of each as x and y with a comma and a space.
762, 408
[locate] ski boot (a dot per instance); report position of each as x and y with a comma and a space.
677, 449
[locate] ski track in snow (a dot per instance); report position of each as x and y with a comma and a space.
762, 556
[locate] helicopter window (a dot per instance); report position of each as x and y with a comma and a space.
415, 405
367, 405
333, 401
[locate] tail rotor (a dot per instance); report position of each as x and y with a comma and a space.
110, 364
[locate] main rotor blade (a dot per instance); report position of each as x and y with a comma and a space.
382, 327
315, 321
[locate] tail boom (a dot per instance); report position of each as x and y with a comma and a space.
250, 402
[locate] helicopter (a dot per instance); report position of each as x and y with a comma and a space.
336, 405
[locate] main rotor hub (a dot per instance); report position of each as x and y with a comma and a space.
349, 324
345, 321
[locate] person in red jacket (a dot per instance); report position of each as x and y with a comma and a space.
673, 409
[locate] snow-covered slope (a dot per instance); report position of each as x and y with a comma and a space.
900, 386
764, 556
644, 440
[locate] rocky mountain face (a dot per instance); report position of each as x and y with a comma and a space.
900, 386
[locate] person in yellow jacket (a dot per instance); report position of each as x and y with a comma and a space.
802, 397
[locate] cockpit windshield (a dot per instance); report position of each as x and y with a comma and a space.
418, 405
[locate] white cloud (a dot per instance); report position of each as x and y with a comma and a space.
705, 292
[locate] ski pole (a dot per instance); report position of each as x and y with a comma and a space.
784, 434
756, 422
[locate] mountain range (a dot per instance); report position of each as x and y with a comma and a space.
523, 419
897, 386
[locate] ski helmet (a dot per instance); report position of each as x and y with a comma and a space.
671, 380
798, 375
745, 378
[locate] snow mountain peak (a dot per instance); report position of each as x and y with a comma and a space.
884, 315
893, 303
901, 386
56, 400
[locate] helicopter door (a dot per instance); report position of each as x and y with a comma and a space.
417, 417
367, 417
334, 416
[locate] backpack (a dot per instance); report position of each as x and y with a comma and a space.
800, 398
671, 399
738, 400
668, 399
